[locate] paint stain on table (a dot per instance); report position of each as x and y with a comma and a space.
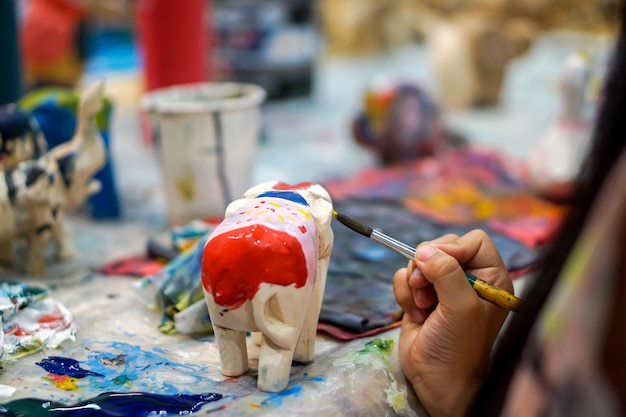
59, 365
120, 379
129, 404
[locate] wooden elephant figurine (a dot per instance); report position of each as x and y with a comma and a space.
35, 193
264, 270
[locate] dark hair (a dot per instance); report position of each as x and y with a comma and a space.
608, 140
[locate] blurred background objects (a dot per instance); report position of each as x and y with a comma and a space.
479, 72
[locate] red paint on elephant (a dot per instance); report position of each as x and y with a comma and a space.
236, 263
288, 187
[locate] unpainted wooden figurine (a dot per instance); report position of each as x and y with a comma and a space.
469, 55
264, 270
35, 193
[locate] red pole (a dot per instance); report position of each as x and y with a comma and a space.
174, 40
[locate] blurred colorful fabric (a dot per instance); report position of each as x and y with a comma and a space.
464, 187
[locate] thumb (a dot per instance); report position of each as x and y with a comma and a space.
446, 275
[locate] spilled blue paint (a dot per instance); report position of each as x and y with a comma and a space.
112, 404
59, 365
275, 400
148, 370
124, 376
128, 367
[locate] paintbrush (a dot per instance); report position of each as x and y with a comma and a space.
484, 289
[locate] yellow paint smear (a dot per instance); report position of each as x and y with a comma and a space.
63, 381
186, 185
304, 213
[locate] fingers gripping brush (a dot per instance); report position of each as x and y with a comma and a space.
484, 289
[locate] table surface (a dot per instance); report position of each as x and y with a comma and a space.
303, 139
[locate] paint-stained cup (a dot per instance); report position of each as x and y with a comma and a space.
207, 136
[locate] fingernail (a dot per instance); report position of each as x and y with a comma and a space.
415, 273
416, 276
425, 252
417, 315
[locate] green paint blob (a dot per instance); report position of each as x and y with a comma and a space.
122, 380
378, 347
375, 353
381, 350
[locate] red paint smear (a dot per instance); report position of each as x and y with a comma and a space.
58, 378
134, 265
302, 228
234, 264
298, 186
213, 220
50, 318
17, 331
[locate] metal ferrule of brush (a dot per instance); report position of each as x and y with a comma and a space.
394, 244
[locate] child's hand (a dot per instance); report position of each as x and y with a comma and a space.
447, 330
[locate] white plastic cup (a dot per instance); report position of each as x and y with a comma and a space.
207, 136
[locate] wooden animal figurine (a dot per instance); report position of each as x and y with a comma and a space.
264, 270
469, 55
21, 138
30, 200
35, 194
81, 157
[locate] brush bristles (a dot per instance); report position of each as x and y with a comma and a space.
353, 224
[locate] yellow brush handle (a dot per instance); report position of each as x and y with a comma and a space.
494, 294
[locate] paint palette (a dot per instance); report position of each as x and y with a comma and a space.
122, 363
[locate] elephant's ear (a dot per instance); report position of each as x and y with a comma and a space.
321, 205
322, 209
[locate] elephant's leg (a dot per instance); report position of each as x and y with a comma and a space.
279, 314
35, 263
274, 366
305, 349
233, 351
7, 255
65, 247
